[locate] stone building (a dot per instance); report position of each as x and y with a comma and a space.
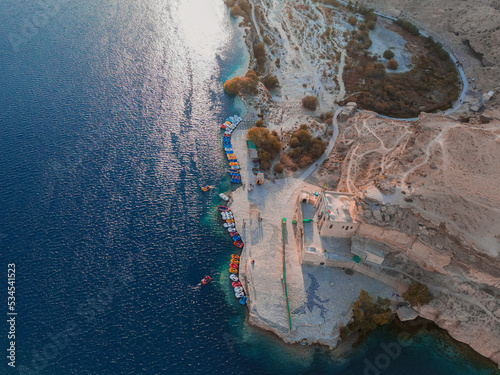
336, 212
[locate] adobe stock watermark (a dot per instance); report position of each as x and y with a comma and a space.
34, 21
389, 352
87, 313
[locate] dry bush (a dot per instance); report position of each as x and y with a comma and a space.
278, 168
304, 161
259, 123
259, 51
352, 20
236, 11
388, 54
310, 102
271, 82
245, 6
286, 161
249, 83
392, 64
232, 86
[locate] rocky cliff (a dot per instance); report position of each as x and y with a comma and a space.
428, 189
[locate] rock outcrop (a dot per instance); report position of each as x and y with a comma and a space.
427, 191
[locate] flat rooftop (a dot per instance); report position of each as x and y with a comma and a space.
337, 206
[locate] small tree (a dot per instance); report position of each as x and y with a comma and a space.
259, 123
369, 314
310, 102
418, 294
392, 64
388, 54
352, 20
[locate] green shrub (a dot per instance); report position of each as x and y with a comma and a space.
368, 314
268, 146
407, 26
388, 54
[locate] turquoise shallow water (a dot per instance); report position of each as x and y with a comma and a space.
109, 126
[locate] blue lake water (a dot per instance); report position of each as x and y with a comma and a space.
108, 128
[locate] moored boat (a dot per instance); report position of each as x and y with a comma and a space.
243, 300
